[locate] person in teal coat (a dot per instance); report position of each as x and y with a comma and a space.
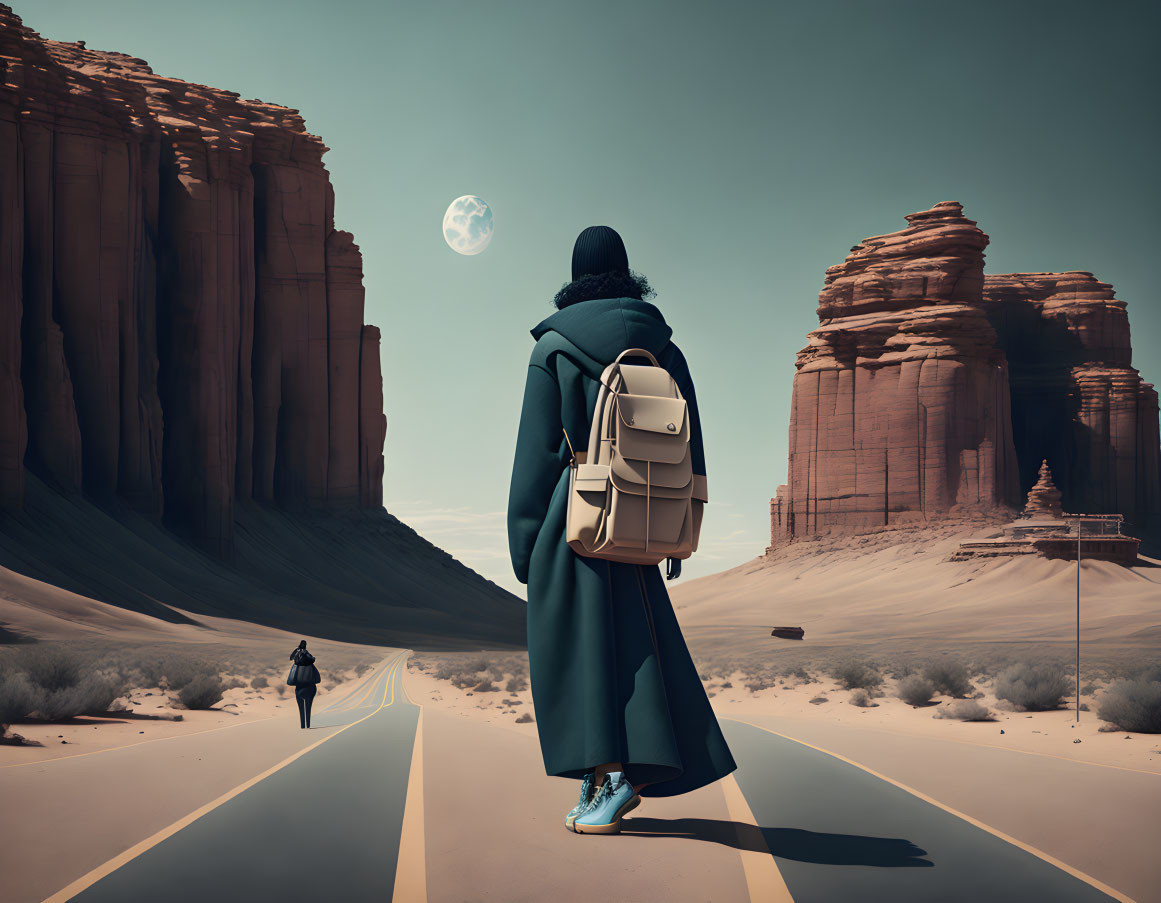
614, 688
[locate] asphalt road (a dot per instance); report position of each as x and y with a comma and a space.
327, 826
839, 833
324, 827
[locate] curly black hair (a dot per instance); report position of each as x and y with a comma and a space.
604, 285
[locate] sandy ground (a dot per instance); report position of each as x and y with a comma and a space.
1044, 733
899, 584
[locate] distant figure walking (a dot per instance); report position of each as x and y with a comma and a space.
304, 677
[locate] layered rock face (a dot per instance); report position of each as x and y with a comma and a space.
932, 391
900, 403
1077, 401
181, 323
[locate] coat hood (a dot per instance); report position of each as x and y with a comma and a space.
604, 327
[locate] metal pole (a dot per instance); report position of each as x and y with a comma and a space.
1078, 519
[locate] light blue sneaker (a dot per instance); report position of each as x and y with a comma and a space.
613, 800
586, 797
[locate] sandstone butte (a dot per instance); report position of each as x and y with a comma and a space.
930, 391
181, 324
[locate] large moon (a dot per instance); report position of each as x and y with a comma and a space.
467, 225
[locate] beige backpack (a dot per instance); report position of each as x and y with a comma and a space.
632, 496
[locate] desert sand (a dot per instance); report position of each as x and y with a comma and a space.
897, 585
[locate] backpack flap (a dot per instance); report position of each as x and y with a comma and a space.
661, 477
652, 428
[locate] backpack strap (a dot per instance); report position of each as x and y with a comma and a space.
636, 352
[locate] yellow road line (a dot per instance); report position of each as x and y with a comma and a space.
362, 691
136, 850
411, 864
362, 696
1028, 848
764, 880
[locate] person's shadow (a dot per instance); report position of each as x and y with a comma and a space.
787, 843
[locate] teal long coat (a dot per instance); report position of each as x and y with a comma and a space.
604, 689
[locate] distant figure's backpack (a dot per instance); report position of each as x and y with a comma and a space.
631, 494
303, 670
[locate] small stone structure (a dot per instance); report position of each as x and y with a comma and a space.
1044, 529
1044, 497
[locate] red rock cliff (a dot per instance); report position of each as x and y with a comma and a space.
930, 390
181, 323
900, 404
1077, 401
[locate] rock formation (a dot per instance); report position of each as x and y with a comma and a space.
1044, 497
181, 325
900, 403
1076, 399
930, 391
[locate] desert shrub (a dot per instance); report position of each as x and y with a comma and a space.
201, 692
915, 690
1151, 674
861, 699
363, 667
64, 682
949, 676
18, 698
757, 682
726, 685
799, 673
966, 710
259, 683
233, 683
818, 700
525, 718
516, 683
1034, 688
444, 671
1132, 705
900, 671
485, 686
856, 675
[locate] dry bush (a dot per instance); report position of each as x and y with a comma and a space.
259, 683
861, 699
1133, 705
201, 692
1151, 674
965, 710
949, 676
54, 682
525, 718
18, 697
1033, 688
856, 675
915, 690
485, 686
516, 683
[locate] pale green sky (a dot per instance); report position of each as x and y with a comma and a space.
739, 148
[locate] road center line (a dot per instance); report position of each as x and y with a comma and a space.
764, 880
